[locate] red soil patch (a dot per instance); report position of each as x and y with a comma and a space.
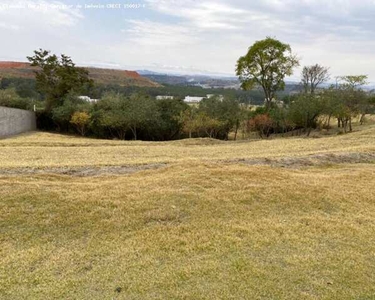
132, 74
12, 64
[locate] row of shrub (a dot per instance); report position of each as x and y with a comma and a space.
307, 111
140, 116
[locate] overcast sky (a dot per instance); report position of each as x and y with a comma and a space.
189, 36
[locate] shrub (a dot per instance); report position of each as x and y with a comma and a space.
262, 124
81, 120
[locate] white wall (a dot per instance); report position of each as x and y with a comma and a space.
14, 121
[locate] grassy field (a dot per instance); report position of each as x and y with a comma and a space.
275, 219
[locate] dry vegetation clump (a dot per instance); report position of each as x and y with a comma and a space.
206, 225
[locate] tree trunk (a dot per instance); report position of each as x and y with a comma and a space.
350, 124
134, 131
235, 133
329, 121
308, 131
362, 119
338, 122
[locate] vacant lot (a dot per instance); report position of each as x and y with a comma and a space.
195, 219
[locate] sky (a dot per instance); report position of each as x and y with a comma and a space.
191, 36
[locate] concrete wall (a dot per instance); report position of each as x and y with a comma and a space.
14, 121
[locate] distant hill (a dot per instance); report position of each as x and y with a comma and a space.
204, 81
103, 76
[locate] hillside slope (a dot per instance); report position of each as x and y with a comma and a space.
290, 218
104, 76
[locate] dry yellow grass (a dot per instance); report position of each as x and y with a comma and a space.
52, 150
198, 228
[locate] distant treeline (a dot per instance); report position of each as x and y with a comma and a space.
26, 88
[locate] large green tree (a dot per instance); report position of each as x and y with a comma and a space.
57, 76
266, 64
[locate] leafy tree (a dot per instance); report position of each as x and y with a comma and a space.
224, 109
281, 119
352, 100
210, 126
305, 110
168, 127
25, 87
111, 113
81, 120
266, 64
61, 115
120, 114
56, 77
312, 76
354, 81
187, 119
332, 101
141, 111
10, 98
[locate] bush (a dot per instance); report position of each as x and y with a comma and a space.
262, 124
10, 98
81, 120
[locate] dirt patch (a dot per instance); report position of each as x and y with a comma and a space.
13, 64
310, 160
83, 171
132, 74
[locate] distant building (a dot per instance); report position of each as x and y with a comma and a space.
190, 99
194, 99
87, 99
220, 97
162, 97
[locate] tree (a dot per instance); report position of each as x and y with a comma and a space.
305, 110
168, 127
56, 77
187, 119
354, 81
332, 100
112, 114
352, 100
210, 126
266, 64
62, 114
81, 120
262, 124
312, 76
224, 109
141, 111
10, 98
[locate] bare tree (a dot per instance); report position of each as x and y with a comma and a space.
312, 76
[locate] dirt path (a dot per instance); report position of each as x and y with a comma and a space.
310, 160
83, 171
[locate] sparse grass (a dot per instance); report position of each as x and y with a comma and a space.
195, 229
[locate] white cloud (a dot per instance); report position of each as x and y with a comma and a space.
154, 34
203, 15
29, 14
9, 26
198, 35
337, 33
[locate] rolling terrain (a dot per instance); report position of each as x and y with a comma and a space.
103, 76
290, 218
